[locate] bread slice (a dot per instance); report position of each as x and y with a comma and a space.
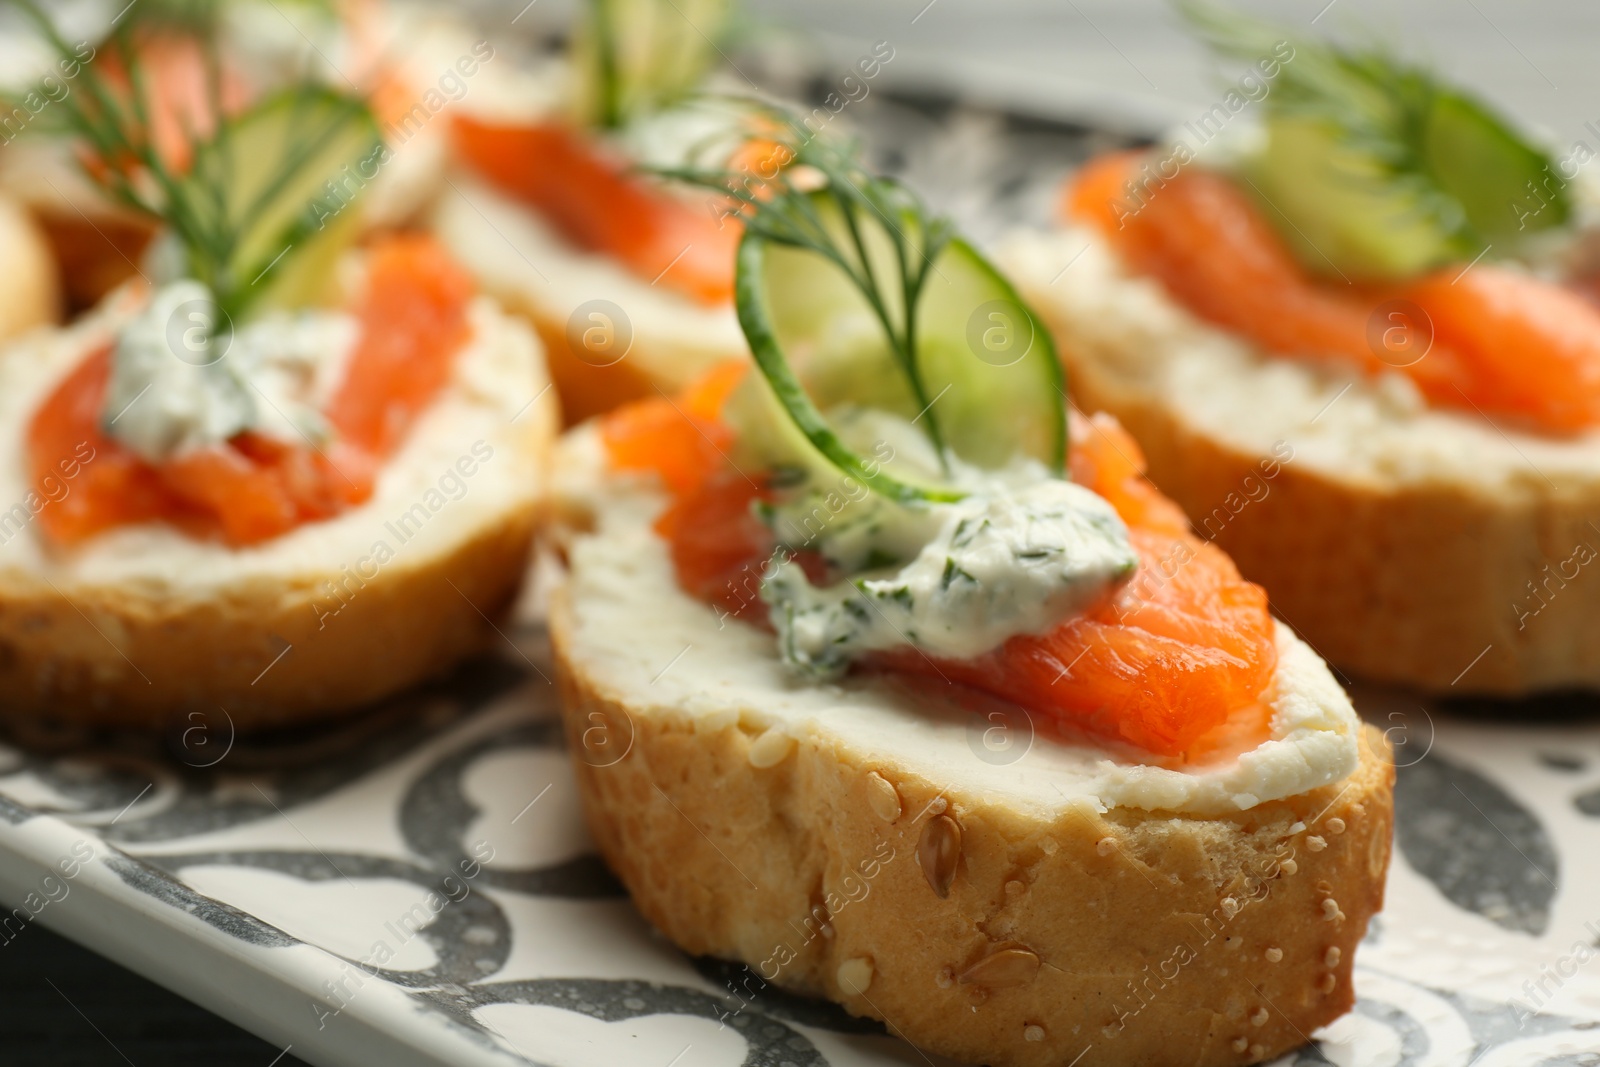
32, 293
659, 340
863, 842
1406, 543
142, 625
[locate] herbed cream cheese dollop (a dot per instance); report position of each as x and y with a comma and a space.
1004, 561
1020, 552
180, 383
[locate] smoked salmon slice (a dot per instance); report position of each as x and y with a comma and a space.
598, 204
1172, 657
413, 321
1496, 339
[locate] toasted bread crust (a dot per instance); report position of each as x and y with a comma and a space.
112, 656
1152, 937
32, 293
586, 388
1423, 585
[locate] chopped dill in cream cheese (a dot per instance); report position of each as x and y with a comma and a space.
177, 385
1005, 560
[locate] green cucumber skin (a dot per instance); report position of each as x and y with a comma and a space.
1055, 377
755, 319
1464, 140
280, 214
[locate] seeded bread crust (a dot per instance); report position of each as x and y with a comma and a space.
971, 927
1149, 937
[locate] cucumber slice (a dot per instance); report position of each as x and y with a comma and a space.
1506, 187
1343, 212
1373, 168
985, 382
1466, 180
279, 179
637, 56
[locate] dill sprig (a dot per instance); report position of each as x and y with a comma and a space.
820, 199
1398, 118
1378, 105
243, 201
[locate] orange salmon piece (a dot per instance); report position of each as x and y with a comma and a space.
104, 485
598, 204
1170, 659
253, 488
684, 440
1502, 341
413, 318
1533, 347
1206, 242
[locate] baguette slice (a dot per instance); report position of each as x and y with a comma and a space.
32, 293
1407, 543
649, 337
862, 842
143, 625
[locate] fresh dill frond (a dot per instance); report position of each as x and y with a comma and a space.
1399, 134
248, 192
813, 194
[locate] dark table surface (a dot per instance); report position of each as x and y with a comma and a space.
62, 1005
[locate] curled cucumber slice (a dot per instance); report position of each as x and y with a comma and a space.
287, 171
638, 56
981, 382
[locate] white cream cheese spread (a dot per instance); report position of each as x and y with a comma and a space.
178, 382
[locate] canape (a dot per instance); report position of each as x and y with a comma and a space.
1358, 344
390, 51
628, 279
879, 685
275, 476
